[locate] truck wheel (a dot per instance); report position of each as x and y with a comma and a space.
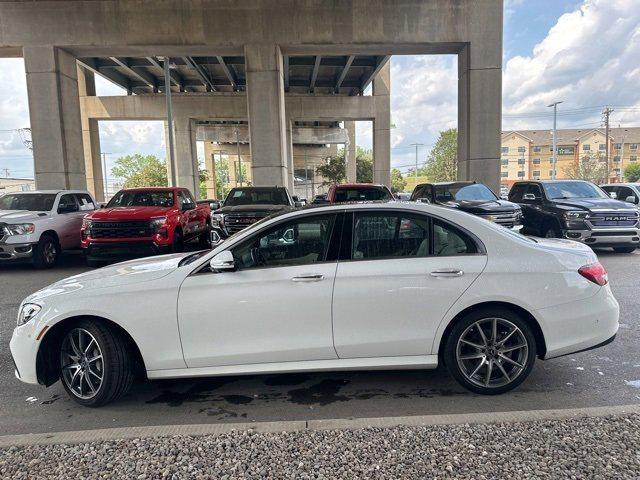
46, 252
178, 243
551, 231
624, 249
96, 366
205, 237
490, 351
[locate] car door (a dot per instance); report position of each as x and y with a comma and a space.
69, 221
404, 271
276, 305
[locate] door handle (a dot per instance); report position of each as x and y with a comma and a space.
311, 277
447, 272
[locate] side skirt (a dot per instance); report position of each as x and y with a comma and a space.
417, 362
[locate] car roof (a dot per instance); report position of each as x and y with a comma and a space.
155, 189
359, 185
50, 192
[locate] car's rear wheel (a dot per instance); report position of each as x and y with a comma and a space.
46, 252
490, 351
95, 364
624, 249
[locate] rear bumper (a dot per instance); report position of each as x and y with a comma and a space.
605, 237
580, 325
125, 249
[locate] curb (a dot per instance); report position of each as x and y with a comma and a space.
84, 436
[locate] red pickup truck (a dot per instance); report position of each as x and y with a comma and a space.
138, 222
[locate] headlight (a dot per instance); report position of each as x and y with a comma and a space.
27, 312
575, 215
86, 223
157, 223
217, 219
20, 228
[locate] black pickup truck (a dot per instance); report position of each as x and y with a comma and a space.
577, 210
244, 206
471, 197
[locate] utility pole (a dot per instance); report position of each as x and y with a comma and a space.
6, 172
606, 113
554, 157
417, 145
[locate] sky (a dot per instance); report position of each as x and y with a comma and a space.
583, 52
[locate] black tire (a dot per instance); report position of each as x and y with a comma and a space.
46, 252
178, 242
117, 366
205, 237
94, 263
624, 249
551, 231
464, 325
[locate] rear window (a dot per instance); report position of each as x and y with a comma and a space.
256, 196
365, 194
149, 198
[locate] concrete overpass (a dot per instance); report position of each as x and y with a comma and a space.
267, 62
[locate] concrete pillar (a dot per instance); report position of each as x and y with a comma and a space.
265, 106
382, 126
91, 137
290, 166
479, 118
210, 167
186, 155
350, 151
54, 109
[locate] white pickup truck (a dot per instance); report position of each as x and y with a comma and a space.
37, 226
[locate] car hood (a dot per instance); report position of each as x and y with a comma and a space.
128, 213
19, 216
593, 204
119, 274
484, 206
251, 208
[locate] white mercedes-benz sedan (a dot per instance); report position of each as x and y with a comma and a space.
363, 286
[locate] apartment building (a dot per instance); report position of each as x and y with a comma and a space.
527, 154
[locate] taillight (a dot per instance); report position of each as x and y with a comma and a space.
595, 273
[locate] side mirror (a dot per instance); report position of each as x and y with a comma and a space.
613, 195
631, 199
214, 205
69, 208
530, 197
295, 198
222, 262
102, 205
423, 200
297, 204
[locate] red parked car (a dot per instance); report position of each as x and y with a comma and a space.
358, 192
139, 222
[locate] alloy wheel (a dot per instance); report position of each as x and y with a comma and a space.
82, 363
49, 253
492, 352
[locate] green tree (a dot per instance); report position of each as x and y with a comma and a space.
590, 167
397, 182
334, 170
442, 162
632, 172
364, 165
141, 171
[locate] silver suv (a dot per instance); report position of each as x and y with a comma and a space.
37, 226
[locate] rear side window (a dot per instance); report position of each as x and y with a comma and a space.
361, 194
449, 241
379, 235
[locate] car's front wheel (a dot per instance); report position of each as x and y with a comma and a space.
490, 351
95, 364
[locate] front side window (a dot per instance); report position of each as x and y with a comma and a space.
379, 235
85, 202
67, 201
33, 202
449, 240
141, 198
302, 241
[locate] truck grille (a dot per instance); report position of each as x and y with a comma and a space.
236, 223
613, 219
506, 219
120, 229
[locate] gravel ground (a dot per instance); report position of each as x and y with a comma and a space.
605, 447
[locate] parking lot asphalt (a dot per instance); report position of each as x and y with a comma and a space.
607, 376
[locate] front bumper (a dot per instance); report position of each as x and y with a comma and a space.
124, 249
24, 351
16, 251
610, 237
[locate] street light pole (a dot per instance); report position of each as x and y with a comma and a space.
554, 158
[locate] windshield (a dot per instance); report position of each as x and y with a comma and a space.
34, 202
563, 190
142, 198
459, 192
361, 194
256, 196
